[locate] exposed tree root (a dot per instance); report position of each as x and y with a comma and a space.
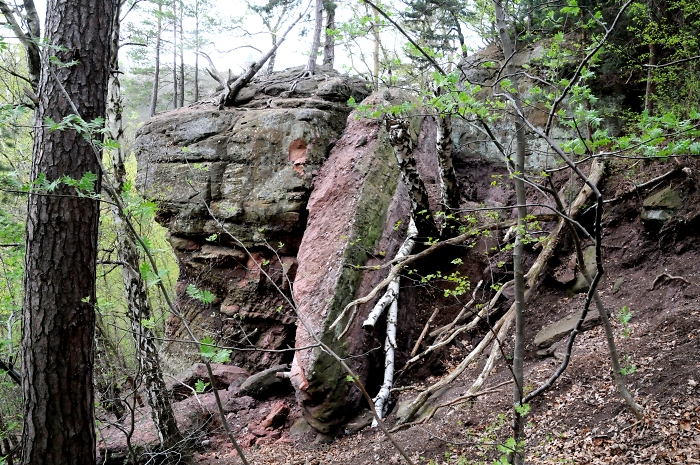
425, 395
425, 330
667, 277
531, 279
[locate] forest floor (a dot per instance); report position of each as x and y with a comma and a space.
654, 271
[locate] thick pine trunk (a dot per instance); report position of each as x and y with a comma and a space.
58, 322
134, 287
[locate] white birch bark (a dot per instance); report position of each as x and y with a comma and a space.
392, 292
389, 348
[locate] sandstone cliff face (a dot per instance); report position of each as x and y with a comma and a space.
236, 178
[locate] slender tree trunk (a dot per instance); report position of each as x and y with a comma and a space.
182, 60
316, 40
134, 287
271, 63
518, 269
156, 74
375, 71
329, 45
196, 49
175, 86
448, 178
651, 86
58, 323
29, 38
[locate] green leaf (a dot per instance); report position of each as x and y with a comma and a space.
200, 386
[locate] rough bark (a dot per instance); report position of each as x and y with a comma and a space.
139, 307
156, 74
58, 322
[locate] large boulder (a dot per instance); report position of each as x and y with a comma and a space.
353, 211
235, 179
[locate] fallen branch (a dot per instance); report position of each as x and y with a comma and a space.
443, 341
461, 316
457, 400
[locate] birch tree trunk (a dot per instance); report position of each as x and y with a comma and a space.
400, 138
171, 439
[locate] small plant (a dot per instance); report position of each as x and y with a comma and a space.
624, 316
629, 367
200, 386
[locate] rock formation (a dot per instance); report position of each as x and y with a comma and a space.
236, 178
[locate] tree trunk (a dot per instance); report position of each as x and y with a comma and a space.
448, 178
156, 74
181, 97
375, 32
651, 86
196, 51
329, 45
401, 141
271, 63
29, 38
134, 287
58, 322
518, 270
175, 86
316, 40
